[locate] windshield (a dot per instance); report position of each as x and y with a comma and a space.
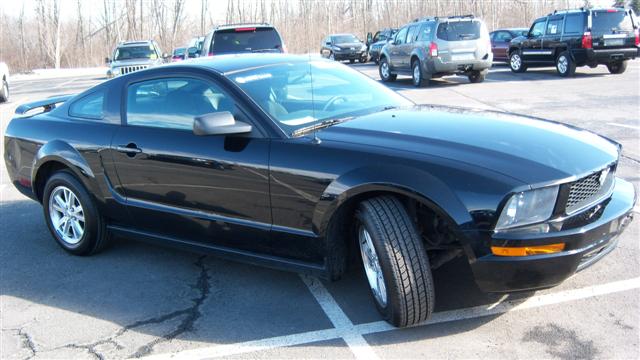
285, 92
459, 30
249, 39
178, 51
344, 39
135, 52
605, 22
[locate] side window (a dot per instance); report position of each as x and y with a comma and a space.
376, 37
401, 36
537, 29
174, 102
413, 34
554, 26
574, 24
90, 106
425, 32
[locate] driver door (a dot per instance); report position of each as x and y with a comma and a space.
532, 51
204, 189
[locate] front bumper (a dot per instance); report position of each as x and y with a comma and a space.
349, 55
585, 245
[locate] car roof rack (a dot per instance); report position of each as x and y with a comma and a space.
452, 17
566, 11
244, 24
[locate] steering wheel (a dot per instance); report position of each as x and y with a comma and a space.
332, 101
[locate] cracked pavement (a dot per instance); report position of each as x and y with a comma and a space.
137, 299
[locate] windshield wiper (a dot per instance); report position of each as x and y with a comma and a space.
318, 126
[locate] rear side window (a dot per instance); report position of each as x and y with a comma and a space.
249, 39
605, 22
425, 32
554, 26
173, 103
574, 24
459, 30
89, 106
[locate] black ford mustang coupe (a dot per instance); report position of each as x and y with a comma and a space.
308, 165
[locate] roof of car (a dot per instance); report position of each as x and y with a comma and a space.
233, 26
236, 62
134, 43
342, 34
511, 29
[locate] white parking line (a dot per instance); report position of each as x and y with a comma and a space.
625, 126
382, 326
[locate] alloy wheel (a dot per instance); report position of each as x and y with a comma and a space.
67, 215
372, 267
416, 74
384, 69
563, 64
516, 62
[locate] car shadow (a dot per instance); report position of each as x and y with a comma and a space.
168, 294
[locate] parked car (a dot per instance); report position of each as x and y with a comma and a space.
501, 40
4, 84
341, 47
213, 155
194, 49
179, 54
242, 38
572, 38
130, 56
377, 41
436, 46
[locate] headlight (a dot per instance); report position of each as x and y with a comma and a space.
115, 71
528, 207
335, 48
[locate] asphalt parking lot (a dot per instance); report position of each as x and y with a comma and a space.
137, 300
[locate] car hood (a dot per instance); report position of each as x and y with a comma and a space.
531, 150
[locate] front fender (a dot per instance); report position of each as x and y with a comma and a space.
408, 181
62, 152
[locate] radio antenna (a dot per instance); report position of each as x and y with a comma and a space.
315, 140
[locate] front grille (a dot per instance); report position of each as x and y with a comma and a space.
589, 190
130, 69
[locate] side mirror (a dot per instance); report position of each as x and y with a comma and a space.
328, 43
219, 123
369, 38
192, 52
107, 60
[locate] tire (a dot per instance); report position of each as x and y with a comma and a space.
478, 76
565, 65
94, 236
516, 64
386, 75
332, 56
351, 61
405, 294
417, 76
617, 67
4, 91
362, 60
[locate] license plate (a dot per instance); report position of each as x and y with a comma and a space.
462, 57
613, 42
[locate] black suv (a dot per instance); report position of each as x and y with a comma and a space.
577, 38
242, 38
340, 47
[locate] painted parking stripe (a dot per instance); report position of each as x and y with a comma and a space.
625, 126
382, 326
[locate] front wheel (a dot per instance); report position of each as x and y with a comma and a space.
477, 76
617, 67
515, 62
385, 71
395, 262
72, 216
4, 91
565, 65
351, 61
332, 56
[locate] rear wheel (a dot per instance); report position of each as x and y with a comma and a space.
385, 71
72, 216
477, 76
565, 65
617, 67
4, 91
351, 61
515, 62
395, 262
417, 76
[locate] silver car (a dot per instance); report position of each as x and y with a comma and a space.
133, 56
433, 47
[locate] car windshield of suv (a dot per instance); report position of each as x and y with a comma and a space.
606, 22
459, 30
135, 52
344, 39
248, 39
178, 51
297, 95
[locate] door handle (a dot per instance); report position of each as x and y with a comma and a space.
129, 149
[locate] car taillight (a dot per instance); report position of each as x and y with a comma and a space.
587, 41
245, 29
637, 37
433, 49
210, 53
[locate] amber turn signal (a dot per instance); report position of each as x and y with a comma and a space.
527, 250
